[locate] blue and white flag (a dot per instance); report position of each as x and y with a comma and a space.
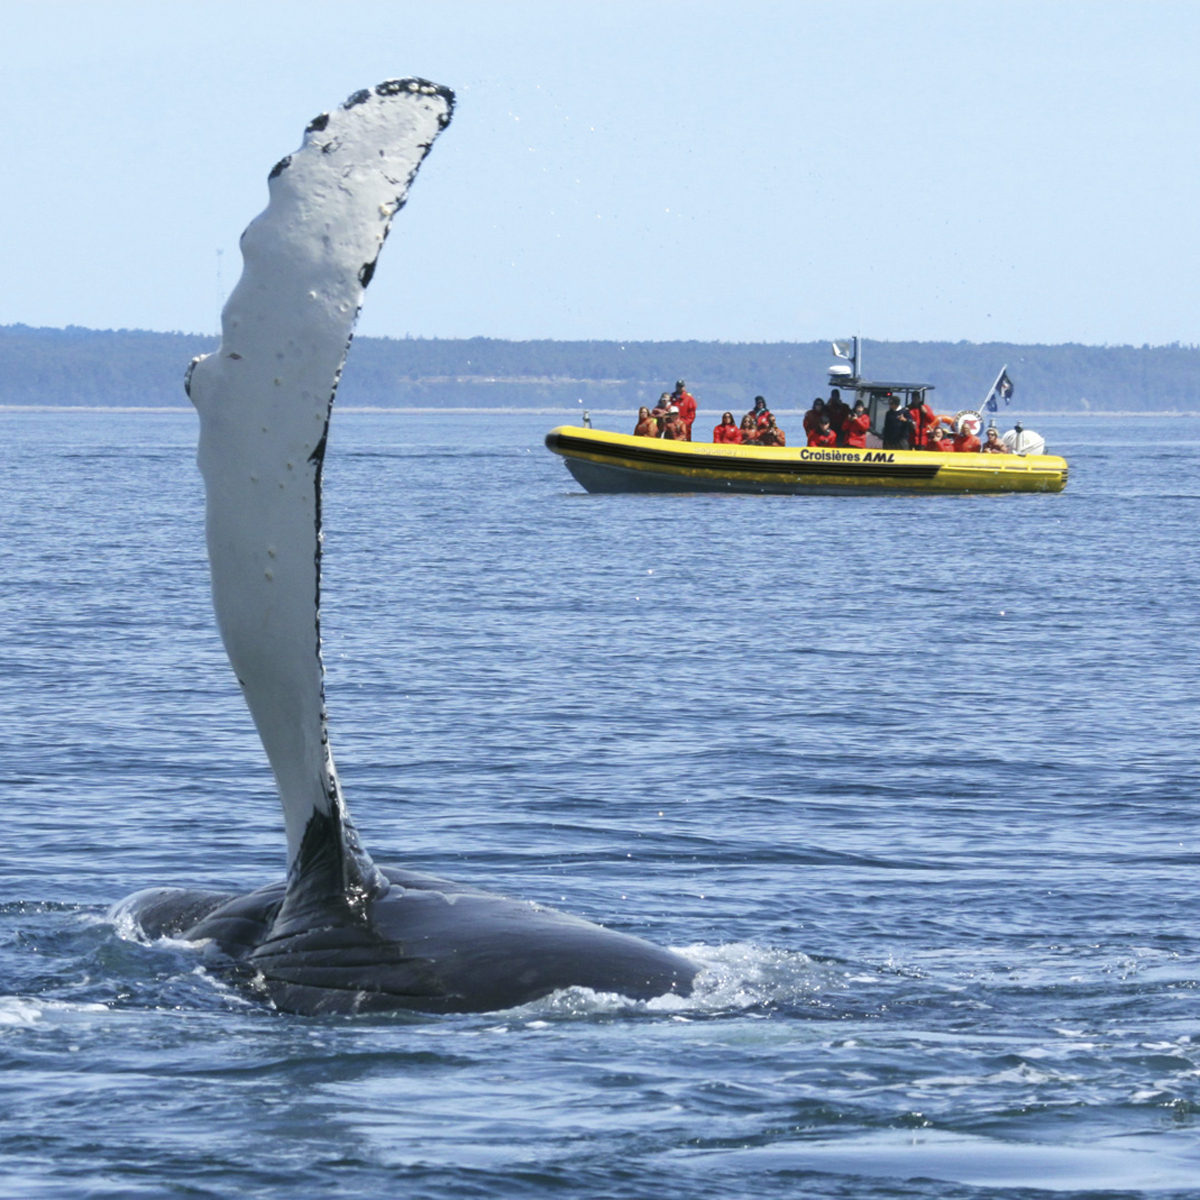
1002, 389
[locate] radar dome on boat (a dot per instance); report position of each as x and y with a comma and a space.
841, 369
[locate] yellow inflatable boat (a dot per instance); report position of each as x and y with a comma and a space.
619, 462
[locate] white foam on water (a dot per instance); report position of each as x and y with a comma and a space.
1138, 1164
19, 1012
737, 976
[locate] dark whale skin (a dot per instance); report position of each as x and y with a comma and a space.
419, 943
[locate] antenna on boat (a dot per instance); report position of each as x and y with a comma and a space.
851, 351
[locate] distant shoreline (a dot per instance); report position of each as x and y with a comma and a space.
547, 412
81, 369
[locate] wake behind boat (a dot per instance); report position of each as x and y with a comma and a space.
616, 462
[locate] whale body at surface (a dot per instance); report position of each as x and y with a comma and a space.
340, 934
421, 943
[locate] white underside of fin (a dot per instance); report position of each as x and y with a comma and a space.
264, 399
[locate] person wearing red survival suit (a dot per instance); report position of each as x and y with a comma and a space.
922, 420
823, 435
772, 435
727, 431
857, 426
674, 430
760, 414
837, 410
965, 442
660, 410
647, 426
813, 415
686, 403
936, 440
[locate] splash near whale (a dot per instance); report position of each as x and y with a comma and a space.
340, 934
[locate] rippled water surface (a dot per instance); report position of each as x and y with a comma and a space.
913, 777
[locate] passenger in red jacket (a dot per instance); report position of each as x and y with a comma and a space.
813, 415
727, 432
823, 435
674, 428
937, 441
660, 410
686, 403
647, 426
760, 412
965, 442
772, 435
922, 421
857, 426
749, 430
837, 410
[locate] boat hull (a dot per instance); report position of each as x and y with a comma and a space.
617, 462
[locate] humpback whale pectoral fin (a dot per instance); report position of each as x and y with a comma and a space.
264, 400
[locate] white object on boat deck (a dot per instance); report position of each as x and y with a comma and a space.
1024, 441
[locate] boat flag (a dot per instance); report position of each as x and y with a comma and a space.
844, 349
1002, 389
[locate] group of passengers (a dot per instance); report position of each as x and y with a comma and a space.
671, 418
757, 428
833, 423
830, 422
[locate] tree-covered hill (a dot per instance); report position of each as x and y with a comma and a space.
75, 366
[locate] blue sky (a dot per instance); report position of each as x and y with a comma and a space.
653, 170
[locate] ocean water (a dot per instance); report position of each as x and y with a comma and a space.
914, 778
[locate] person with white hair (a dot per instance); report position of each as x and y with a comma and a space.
992, 443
